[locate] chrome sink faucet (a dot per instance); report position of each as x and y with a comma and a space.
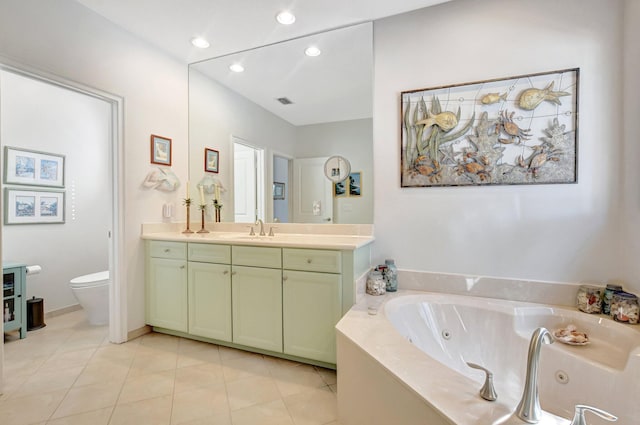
529, 407
261, 223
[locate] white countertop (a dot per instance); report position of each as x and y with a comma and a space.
285, 240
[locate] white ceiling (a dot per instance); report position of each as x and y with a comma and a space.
340, 86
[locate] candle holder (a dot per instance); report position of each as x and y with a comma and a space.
202, 229
187, 203
218, 207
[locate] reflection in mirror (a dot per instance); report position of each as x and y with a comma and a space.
248, 163
282, 169
327, 112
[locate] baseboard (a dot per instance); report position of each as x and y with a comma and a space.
138, 332
61, 311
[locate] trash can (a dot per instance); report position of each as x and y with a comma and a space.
35, 314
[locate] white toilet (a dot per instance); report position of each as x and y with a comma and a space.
92, 292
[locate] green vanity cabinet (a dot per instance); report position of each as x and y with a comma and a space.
210, 300
312, 305
276, 300
166, 300
312, 302
210, 291
257, 297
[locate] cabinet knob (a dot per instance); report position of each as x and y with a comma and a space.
167, 250
225, 272
284, 278
308, 260
182, 267
233, 273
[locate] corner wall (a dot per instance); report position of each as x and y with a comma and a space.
68, 40
630, 222
543, 232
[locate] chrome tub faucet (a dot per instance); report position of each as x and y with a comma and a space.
529, 407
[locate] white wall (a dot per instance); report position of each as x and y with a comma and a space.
68, 40
217, 113
545, 232
353, 140
42, 117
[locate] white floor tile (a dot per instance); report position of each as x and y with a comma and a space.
67, 373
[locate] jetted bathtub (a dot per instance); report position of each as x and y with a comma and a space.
407, 364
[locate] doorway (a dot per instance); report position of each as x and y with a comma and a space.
78, 198
248, 182
282, 179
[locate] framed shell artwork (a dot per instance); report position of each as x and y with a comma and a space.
516, 130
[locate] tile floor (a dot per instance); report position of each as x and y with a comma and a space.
68, 373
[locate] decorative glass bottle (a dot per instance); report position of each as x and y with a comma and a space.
391, 276
608, 295
625, 308
375, 283
590, 299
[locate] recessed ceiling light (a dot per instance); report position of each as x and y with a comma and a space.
285, 17
200, 42
236, 67
312, 51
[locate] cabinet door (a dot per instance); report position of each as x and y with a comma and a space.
167, 294
312, 305
210, 300
257, 307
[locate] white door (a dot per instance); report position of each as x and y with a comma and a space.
313, 192
244, 183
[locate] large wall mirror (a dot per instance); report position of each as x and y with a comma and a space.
275, 124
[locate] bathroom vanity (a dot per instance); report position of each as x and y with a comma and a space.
279, 295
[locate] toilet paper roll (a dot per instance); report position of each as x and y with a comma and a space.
34, 269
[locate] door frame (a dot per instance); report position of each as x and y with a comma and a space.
118, 326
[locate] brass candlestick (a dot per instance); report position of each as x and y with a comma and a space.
187, 203
202, 229
218, 207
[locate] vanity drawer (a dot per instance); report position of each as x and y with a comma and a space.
312, 260
163, 249
255, 256
210, 253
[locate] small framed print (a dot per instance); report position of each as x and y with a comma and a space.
339, 189
33, 168
160, 150
33, 206
211, 160
355, 184
278, 191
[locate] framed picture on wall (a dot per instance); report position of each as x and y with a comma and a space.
340, 189
33, 168
211, 160
160, 150
355, 184
33, 206
278, 190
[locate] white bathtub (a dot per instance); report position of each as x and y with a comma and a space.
414, 352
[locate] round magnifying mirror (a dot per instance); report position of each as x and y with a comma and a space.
337, 168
